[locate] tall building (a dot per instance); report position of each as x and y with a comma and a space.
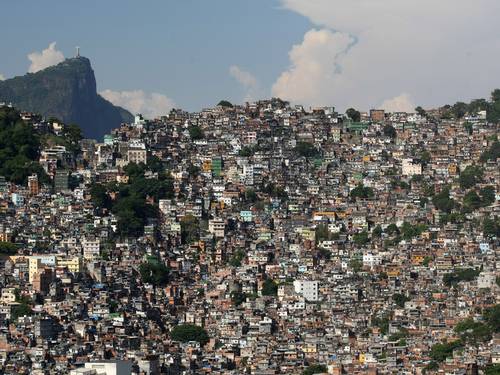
61, 181
307, 289
91, 248
377, 115
33, 185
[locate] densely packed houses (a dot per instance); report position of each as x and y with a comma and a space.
259, 239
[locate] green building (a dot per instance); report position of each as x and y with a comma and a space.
357, 126
216, 166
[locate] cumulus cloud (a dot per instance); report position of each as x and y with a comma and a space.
437, 56
400, 103
48, 57
248, 81
137, 101
315, 68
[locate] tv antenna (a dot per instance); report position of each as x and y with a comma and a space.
77, 51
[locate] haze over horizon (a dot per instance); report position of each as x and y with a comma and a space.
385, 53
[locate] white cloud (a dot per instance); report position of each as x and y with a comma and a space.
246, 79
313, 72
137, 101
401, 103
401, 46
48, 57
2, 77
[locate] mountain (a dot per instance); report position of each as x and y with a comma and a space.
68, 92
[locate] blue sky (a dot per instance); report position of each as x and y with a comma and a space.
151, 55
182, 49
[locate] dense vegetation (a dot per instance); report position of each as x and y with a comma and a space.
307, 150
471, 332
443, 202
315, 369
225, 103
189, 332
131, 205
7, 248
195, 132
353, 114
458, 275
492, 153
362, 191
154, 272
190, 229
23, 308
460, 109
19, 148
269, 288
470, 176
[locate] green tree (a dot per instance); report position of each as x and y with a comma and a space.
492, 317
361, 238
251, 196
471, 201
356, 265
492, 153
459, 110
460, 274
353, 114
400, 299
237, 298
492, 369
322, 233
190, 229
195, 132
392, 229
421, 111
225, 103
382, 323
390, 131
306, 149
361, 191
491, 227
21, 310
377, 231
477, 105
19, 148
487, 195
189, 332
237, 257
315, 369
269, 288
8, 248
471, 176
154, 272
440, 352
473, 332
443, 202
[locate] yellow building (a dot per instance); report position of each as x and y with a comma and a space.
74, 264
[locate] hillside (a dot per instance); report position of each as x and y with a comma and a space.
68, 92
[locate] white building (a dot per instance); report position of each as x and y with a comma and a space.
486, 280
105, 368
217, 227
410, 167
307, 289
137, 152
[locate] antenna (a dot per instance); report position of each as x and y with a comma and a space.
77, 51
